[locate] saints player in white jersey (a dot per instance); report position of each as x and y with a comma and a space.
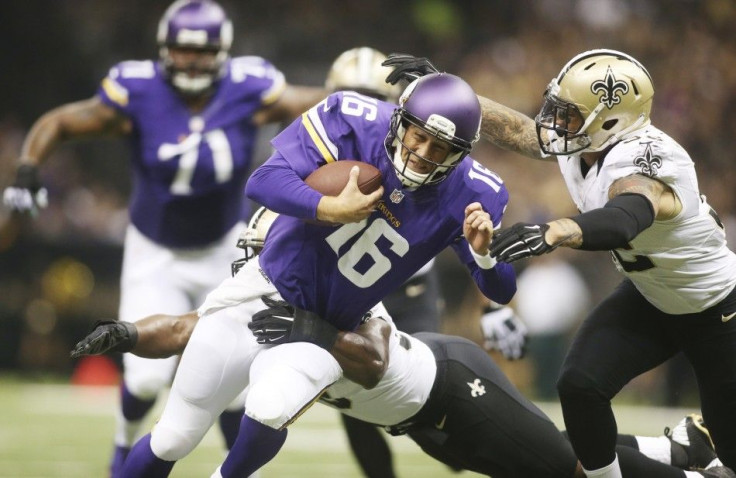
638, 195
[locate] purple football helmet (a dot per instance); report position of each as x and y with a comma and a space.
446, 107
198, 25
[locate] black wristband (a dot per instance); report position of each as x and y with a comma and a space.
616, 223
26, 176
132, 332
309, 327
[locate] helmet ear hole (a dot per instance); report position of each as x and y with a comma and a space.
609, 124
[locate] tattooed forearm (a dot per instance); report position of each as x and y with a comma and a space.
509, 129
564, 233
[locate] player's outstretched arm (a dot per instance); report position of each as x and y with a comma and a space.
157, 336
162, 336
510, 129
82, 119
502, 126
363, 354
88, 118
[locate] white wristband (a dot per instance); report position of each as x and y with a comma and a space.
485, 261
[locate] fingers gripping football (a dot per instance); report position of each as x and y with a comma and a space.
407, 67
107, 336
520, 241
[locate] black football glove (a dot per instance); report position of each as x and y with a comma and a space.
283, 323
407, 67
107, 336
26, 195
519, 241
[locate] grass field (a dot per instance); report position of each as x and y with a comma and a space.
54, 430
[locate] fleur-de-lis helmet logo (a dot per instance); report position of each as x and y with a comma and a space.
610, 87
648, 162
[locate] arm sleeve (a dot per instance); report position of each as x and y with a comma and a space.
278, 187
497, 283
615, 224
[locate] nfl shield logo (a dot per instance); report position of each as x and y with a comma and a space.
396, 196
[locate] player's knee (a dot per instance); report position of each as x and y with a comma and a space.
146, 386
575, 384
171, 445
280, 396
267, 403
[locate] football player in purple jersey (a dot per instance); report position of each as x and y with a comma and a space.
416, 305
433, 196
191, 117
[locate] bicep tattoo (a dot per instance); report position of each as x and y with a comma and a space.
638, 184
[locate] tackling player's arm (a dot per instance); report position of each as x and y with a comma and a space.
510, 129
156, 336
161, 336
501, 125
635, 201
363, 354
82, 119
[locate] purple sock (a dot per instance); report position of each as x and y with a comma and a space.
118, 460
141, 462
256, 445
230, 424
134, 408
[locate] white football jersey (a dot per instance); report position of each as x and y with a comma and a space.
399, 395
681, 265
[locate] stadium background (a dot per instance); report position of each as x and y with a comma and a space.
59, 272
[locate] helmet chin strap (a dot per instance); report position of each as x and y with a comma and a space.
410, 179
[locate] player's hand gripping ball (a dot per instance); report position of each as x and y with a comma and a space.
332, 178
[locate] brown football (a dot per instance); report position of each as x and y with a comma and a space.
331, 178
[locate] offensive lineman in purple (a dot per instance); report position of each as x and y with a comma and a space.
409, 226
191, 169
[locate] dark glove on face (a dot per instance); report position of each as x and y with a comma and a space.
107, 336
283, 323
407, 67
519, 241
26, 194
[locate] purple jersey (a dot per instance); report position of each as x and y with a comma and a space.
341, 272
189, 169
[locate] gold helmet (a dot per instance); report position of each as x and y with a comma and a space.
360, 70
253, 237
599, 97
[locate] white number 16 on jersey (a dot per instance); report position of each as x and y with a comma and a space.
366, 246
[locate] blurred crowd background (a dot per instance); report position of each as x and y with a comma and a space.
59, 271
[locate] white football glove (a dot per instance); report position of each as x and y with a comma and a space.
504, 331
